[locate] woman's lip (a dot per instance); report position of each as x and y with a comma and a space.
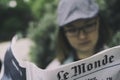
84, 43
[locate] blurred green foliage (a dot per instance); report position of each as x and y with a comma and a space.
43, 32
113, 13
115, 40
41, 7
14, 19
102, 4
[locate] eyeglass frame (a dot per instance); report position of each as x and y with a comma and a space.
83, 28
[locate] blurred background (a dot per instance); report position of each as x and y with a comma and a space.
35, 22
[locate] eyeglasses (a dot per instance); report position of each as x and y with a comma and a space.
86, 29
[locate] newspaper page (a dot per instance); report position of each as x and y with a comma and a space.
104, 65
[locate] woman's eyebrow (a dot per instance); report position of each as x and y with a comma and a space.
90, 21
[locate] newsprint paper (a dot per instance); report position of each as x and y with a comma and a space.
104, 65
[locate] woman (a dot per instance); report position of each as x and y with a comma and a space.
82, 31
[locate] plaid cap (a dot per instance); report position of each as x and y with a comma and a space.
71, 10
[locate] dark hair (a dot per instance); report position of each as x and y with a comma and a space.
64, 48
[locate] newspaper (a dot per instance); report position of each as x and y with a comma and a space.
104, 65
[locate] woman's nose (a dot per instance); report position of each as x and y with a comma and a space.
82, 35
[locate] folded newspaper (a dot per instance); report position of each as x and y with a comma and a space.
104, 65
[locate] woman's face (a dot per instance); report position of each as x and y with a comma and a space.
83, 34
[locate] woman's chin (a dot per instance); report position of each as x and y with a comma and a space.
85, 50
